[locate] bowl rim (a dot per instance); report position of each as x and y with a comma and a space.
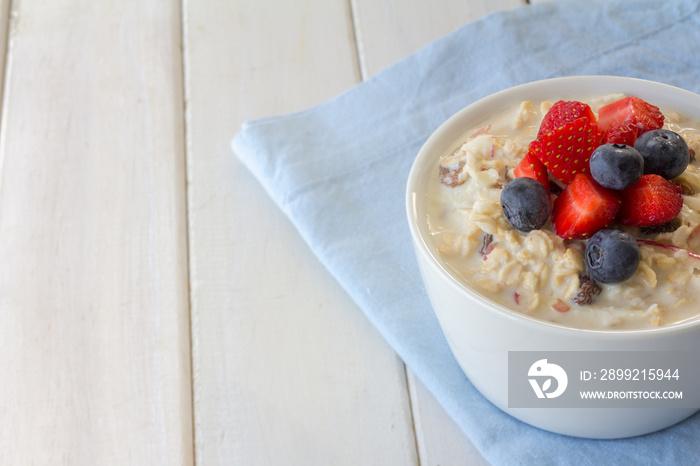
508, 97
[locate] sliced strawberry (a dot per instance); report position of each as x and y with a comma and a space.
628, 114
653, 200
583, 208
531, 167
625, 133
566, 150
564, 112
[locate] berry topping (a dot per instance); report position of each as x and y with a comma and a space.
564, 112
616, 166
583, 208
652, 201
625, 133
565, 151
621, 118
525, 203
665, 153
531, 167
612, 256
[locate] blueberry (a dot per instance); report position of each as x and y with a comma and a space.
616, 166
665, 153
612, 256
526, 204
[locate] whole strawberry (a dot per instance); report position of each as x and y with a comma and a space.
563, 112
566, 150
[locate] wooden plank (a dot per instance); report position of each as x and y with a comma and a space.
386, 32
94, 326
440, 440
287, 370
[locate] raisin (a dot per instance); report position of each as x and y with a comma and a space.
686, 188
587, 290
485, 244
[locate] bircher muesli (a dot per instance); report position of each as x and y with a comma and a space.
584, 212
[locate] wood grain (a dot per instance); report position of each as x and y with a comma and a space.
94, 330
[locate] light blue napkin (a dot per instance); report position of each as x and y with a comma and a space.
339, 172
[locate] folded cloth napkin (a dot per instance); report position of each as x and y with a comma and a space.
339, 171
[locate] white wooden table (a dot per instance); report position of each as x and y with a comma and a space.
155, 306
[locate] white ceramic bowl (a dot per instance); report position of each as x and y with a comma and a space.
480, 332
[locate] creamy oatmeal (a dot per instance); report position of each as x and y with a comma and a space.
538, 273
